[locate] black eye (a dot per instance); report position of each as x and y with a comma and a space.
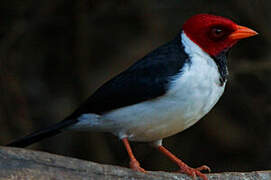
217, 32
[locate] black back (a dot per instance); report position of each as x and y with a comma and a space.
148, 78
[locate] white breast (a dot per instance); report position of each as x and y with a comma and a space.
192, 94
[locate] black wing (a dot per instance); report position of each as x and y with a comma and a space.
148, 78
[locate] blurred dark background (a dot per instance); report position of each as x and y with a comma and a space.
54, 54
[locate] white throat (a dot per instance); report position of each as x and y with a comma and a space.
192, 48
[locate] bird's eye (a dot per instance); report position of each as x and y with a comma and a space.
217, 33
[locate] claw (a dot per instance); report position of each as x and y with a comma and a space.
204, 168
194, 172
134, 164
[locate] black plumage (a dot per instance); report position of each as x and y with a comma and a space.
221, 62
42, 134
147, 79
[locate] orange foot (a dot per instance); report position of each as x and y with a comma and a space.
194, 171
134, 164
183, 167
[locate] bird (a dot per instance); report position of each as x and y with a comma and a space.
163, 93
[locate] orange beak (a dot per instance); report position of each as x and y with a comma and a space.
242, 32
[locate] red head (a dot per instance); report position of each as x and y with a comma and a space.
214, 33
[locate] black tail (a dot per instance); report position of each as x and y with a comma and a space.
42, 134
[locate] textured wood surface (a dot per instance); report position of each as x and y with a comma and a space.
18, 163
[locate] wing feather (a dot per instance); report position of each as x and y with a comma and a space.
147, 79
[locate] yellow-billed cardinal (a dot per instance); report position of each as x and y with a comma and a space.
165, 92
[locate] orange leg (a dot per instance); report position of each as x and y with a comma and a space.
134, 164
183, 167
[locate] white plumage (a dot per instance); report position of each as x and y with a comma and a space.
191, 95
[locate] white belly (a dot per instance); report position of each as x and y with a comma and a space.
192, 94
186, 103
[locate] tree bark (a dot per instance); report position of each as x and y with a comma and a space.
16, 163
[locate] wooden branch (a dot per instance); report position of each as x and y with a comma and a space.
18, 163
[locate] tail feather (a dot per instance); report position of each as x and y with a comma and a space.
42, 134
